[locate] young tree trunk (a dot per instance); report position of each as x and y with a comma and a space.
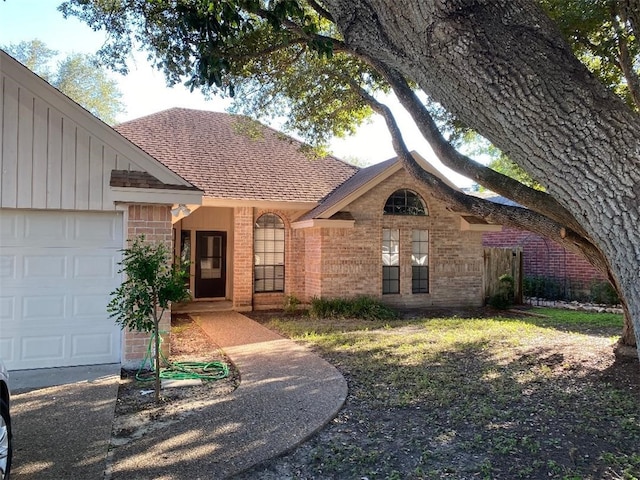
156, 333
503, 68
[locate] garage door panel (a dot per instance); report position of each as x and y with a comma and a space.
42, 349
7, 308
92, 229
95, 266
92, 346
39, 266
55, 290
38, 309
40, 227
60, 264
7, 267
9, 232
8, 350
89, 306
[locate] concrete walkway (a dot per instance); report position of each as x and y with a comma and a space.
286, 394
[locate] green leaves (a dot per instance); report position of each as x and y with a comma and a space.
76, 75
151, 284
604, 36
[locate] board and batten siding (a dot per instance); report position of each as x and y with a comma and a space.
48, 161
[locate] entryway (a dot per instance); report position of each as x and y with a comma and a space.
211, 271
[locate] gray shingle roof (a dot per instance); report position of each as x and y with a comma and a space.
231, 156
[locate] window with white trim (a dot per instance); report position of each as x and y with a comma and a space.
268, 249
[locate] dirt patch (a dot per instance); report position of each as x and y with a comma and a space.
136, 410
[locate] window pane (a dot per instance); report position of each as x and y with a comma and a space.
420, 247
390, 247
269, 253
420, 279
405, 202
390, 279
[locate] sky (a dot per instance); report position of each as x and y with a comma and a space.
144, 90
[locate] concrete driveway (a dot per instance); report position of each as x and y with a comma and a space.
61, 420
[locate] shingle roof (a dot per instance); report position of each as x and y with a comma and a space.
230, 156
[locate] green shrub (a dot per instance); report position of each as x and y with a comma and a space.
543, 287
358, 307
506, 292
603, 292
291, 303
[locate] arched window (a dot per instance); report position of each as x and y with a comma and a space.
268, 249
405, 202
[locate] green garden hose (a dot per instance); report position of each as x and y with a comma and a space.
181, 370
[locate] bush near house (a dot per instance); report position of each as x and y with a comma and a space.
362, 307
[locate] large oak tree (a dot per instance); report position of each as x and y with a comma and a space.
500, 67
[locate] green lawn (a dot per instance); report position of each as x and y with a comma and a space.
532, 397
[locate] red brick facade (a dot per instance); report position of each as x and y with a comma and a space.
346, 262
543, 257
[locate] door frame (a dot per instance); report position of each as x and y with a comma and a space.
198, 286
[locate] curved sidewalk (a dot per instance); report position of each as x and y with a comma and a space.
286, 394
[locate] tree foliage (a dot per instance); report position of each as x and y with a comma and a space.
77, 75
151, 284
605, 35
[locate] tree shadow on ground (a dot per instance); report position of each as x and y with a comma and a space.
473, 409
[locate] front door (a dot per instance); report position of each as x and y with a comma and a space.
211, 255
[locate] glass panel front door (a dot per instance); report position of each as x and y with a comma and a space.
210, 264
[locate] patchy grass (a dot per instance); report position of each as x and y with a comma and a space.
500, 398
563, 318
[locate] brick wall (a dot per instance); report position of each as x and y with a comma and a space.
154, 221
348, 262
543, 257
243, 258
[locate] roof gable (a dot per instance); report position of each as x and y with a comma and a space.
233, 157
361, 183
55, 154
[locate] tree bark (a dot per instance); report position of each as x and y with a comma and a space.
504, 69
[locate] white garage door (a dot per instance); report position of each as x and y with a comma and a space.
56, 272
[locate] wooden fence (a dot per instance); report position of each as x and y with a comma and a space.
497, 262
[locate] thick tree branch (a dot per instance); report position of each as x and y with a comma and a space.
533, 199
320, 10
518, 217
624, 58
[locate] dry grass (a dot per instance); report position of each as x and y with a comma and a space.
454, 397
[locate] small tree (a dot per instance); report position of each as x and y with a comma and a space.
151, 284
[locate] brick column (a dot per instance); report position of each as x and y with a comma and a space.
154, 222
243, 259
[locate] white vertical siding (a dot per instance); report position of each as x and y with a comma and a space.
56, 155
48, 160
9, 172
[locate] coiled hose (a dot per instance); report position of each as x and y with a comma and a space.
180, 370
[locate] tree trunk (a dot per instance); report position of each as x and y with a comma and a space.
156, 333
504, 69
